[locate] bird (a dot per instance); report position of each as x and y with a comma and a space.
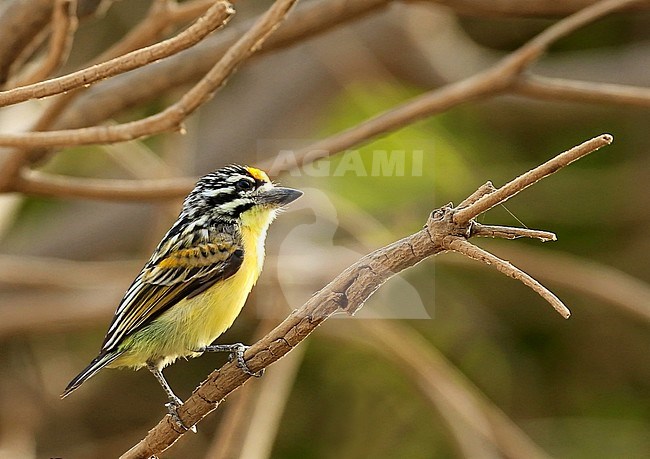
197, 280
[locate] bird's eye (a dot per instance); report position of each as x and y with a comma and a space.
244, 185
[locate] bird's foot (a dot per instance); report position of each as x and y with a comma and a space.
236, 353
172, 407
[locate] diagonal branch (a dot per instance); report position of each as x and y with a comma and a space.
522, 182
501, 77
346, 293
460, 245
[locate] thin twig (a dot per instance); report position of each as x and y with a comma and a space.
64, 25
509, 232
587, 277
522, 182
481, 191
214, 18
470, 250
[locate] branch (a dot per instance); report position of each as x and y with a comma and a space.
43, 184
501, 77
508, 232
522, 182
64, 25
172, 117
541, 87
215, 17
471, 251
25, 20
346, 293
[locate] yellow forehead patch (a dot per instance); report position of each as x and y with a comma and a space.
258, 174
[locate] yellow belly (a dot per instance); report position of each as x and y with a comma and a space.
192, 324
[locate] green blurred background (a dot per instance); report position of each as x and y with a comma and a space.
578, 388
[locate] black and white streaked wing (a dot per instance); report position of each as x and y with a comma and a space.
166, 280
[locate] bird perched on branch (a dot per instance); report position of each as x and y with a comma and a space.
197, 280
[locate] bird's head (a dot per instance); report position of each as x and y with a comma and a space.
235, 192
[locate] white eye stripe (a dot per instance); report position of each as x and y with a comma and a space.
238, 177
217, 191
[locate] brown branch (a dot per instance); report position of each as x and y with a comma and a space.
501, 77
508, 232
529, 178
605, 283
64, 25
346, 293
540, 87
307, 20
172, 117
43, 184
471, 251
20, 22
161, 16
214, 18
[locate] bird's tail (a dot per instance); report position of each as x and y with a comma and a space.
97, 364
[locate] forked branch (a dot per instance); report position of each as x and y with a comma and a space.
349, 291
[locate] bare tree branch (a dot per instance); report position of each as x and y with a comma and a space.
507, 232
497, 79
346, 293
215, 17
43, 184
561, 89
64, 25
531, 177
460, 245
172, 117
23, 20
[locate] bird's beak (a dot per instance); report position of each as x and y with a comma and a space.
279, 196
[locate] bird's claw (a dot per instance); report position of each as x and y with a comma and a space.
236, 353
172, 410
